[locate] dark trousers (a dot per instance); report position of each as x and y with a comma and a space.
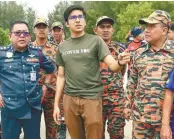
11, 127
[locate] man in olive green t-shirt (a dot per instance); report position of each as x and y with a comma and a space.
79, 75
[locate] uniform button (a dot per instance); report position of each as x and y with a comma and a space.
27, 98
23, 65
22, 56
34, 65
26, 90
10, 66
9, 98
24, 74
25, 81
37, 93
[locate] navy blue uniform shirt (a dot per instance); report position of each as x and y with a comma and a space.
19, 75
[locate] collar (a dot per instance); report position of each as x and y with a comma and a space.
165, 47
13, 50
47, 44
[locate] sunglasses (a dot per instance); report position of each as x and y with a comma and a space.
18, 33
74, 17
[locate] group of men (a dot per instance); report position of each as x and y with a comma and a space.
87, 72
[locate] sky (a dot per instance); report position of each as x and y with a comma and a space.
42, 7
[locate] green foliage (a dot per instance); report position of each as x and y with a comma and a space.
29, 18
130, 17
125, 14
11, 11
100, 8
4, 40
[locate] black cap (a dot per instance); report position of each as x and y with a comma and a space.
72, 8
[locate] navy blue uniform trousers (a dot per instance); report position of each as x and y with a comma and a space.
12, 127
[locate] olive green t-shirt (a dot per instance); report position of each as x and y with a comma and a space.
80, 58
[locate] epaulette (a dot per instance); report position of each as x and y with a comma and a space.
144, 44
35, 47
3, 48
53, 43
141, 49
170, 44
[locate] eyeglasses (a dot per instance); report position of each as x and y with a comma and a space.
74, 17
18, 33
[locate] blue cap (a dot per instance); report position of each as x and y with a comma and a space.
136, 31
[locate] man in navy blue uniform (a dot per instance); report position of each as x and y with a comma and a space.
20, 93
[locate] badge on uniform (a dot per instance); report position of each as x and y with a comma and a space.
31, 55
33, 75
9, 54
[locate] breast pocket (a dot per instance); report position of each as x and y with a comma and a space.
10, 68
10, 101
141, 66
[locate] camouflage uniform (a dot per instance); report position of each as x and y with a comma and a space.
113, 96
145, 93
62, 126
48, 104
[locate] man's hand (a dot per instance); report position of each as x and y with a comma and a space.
127, 113
56, 114
44, 92
124, 58
1, 101
166, 132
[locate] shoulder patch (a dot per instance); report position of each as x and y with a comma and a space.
52, 45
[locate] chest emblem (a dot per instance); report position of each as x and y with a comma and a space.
31, 55
9, 54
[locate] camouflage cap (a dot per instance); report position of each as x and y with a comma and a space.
40, 20
104, 18
158, 16
57, 24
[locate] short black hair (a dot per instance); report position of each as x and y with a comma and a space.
172, 27
72, 8
18, 22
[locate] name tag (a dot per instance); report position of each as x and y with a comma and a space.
33, 76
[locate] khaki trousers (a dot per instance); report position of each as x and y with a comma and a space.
83, 117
